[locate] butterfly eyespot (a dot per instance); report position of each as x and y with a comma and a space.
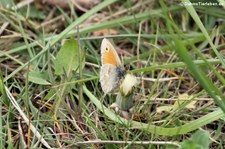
107, 49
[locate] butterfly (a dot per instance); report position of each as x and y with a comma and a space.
112, 71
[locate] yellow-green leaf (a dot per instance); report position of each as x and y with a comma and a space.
67, 58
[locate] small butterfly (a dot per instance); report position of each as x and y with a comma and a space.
112, 71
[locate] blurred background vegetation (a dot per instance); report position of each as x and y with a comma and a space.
50, 60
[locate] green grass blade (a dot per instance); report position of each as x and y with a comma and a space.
70, 30
183, 129
2, 96
175, 65
197, 20
63, 33
198, 74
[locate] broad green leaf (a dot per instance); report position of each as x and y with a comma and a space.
199, 140
38, 77
202, 138
190, 145
68, 57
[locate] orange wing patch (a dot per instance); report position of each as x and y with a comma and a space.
109, 57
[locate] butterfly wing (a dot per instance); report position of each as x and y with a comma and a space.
110, 77
109, 54
107, 77
111, 71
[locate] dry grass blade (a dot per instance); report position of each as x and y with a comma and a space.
128, 142
33, 129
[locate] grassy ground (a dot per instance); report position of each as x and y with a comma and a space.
177, 51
